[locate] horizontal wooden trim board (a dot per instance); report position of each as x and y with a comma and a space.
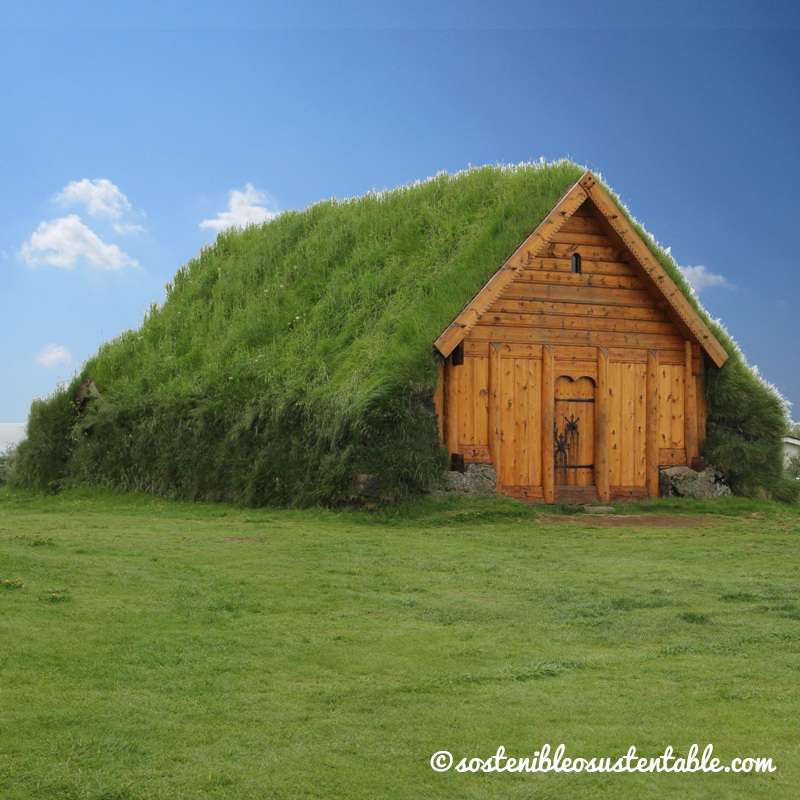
575, 368
576, 494
582, 279
476, 453
577, 294
588, 252
672, 357
586, 323
587, 267
598, 239
522, 492
598, 338
628, 355
576, 224
574, 353
478, 349
627, 492
671, 456
521, 306
510, 350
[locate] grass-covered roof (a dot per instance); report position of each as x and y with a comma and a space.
338, 303
291, 355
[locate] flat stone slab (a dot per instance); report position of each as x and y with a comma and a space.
599, 509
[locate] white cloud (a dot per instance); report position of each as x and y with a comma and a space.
125, 228
243, 209
64, 241
701, 278
54, 355
100, 197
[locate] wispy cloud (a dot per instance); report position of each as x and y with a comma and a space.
65, 241
700, 278
244, 208
103, 199
11, 433
54, 355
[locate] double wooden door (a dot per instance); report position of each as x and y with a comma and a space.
521, 406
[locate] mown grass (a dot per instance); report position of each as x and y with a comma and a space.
159, 649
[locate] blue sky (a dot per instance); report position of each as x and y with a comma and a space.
125, 128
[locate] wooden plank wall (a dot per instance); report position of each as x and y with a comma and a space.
609, 314
467, 406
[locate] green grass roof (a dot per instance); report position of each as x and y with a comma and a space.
337, 303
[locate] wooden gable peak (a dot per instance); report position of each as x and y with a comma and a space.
587, 188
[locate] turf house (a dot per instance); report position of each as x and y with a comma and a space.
578, 369
516, 316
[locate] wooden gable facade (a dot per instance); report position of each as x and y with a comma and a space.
577, 370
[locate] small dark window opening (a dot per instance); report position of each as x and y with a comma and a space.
576, 263
457, 356
457, 462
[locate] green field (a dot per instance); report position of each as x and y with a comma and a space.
152, 649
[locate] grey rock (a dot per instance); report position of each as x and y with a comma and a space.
685, 482
476, 479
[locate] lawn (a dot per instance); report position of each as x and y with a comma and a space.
153, 649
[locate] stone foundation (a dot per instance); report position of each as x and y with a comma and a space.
685, 482
476, 480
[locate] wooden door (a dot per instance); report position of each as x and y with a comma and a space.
516, 390
574, 431
627, 426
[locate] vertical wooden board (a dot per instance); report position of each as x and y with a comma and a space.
601, 455
508, 413
586, 412
480, 393
548, 478
628, 423
652, 432
535, 417
664, 405
494, 406
465, 401
451, 407
640, 425
690, 407
614, 424
677, 439
521, 420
